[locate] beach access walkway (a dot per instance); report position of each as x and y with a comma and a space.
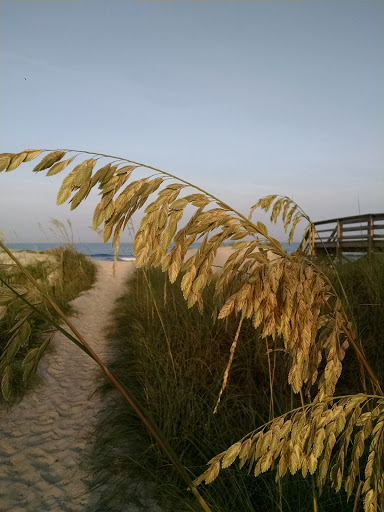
42, 437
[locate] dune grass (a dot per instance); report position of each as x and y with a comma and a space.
175, 359
63, 276
77, 274
285, 295
363, 282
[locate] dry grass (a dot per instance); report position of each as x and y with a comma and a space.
288, 297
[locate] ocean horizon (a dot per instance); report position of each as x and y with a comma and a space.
101, 251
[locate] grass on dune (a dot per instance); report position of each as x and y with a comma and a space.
363, 283
63, 277
178, 367
180, 391
77, 274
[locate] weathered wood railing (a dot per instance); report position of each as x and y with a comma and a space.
359, 233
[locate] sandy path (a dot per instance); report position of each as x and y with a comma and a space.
41, 438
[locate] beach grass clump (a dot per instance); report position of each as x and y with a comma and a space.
174, 359
362, 280
24, 333
76, 273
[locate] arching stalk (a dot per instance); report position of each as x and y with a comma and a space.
149, 424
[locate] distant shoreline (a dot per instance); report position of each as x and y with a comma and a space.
100, 251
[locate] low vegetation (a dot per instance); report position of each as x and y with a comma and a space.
362, 282
295, 310
175, 358
25, 333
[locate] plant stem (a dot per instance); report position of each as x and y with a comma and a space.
148, 423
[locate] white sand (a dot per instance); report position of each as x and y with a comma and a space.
42, 437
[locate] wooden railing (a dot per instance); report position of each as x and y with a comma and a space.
359, 233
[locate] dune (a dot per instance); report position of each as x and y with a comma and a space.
26, 257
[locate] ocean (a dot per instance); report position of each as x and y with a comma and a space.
101, 251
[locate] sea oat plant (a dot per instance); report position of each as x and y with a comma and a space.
288, 296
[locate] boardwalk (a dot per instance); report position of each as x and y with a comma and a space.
358, 233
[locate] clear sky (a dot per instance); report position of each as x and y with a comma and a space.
243, 98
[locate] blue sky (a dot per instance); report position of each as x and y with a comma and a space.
243, 98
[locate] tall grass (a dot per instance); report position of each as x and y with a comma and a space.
363, 283
180, 392
77, 273
64, 276
287, 296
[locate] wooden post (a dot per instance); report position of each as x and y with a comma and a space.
370, 233
313, 240
338, 238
